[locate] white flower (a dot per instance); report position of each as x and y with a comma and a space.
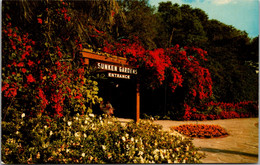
83, 154
23, 115
91, 115
156, 157
84, 135
155, 151
69, 123
87, 118
51, 133
140, 153
176, 161
132, 139
123, 138
161, 155
67, 150
86, 121
45, 127
76, 118
45, 145
103, 147
17, 132
142, 159
77, 134
127, 135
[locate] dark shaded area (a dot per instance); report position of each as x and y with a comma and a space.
122, 95
228, 152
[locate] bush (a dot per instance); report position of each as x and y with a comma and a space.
89, 139
201, 130
220, 110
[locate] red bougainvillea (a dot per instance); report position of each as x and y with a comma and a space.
39, 79
178, 65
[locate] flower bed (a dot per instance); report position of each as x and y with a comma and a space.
201, 130
88, 139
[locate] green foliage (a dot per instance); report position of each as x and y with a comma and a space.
88, 139
232, 63
181, 25
140, 21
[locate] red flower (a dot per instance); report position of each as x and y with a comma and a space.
30, 63
5, 86
30, 78
21, 64
53, 77
58, 64
23, 70
112, 13
11, 92
39, 20
28, 47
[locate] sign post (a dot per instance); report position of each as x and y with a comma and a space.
137, 102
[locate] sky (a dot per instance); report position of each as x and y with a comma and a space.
241, 14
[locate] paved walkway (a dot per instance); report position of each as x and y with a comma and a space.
241, 146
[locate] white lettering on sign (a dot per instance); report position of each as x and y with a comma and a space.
117, 75
107, 67
115, 68
127, 70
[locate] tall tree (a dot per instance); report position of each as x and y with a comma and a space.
181, 25
140, 21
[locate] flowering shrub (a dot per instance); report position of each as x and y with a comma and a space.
213, 111
176, 65
88, 139
45, 76
201, 130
